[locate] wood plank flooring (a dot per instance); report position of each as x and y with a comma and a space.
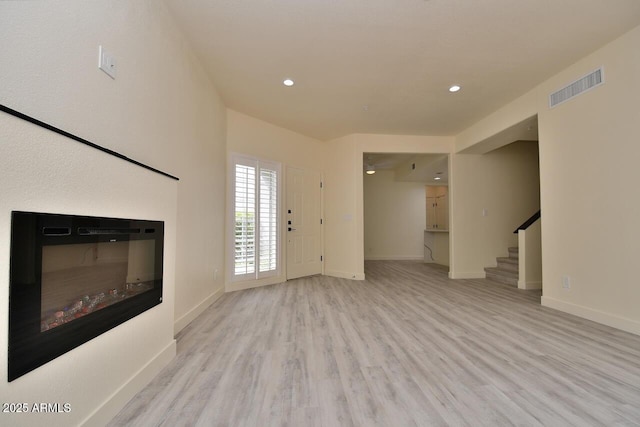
406, 347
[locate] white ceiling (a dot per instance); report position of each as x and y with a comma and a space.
384, 66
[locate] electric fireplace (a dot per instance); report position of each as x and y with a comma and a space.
73, 278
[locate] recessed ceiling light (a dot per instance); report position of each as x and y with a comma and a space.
437, 178
288, 82
454, 88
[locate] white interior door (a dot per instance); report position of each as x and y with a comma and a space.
303, 218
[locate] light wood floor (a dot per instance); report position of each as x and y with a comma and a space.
406, 347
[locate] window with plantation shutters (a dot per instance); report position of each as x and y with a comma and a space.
256, 243
245, 221
268, 254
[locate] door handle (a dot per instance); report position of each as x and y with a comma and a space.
292, 229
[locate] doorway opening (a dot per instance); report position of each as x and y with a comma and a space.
399, 224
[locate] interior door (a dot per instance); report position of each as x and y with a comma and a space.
303, 223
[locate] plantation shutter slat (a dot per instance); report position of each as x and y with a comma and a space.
268, 220
256, 243
245, 220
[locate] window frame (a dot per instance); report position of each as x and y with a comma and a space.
258, 165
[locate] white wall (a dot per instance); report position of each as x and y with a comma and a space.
160, 110
589, 223
394, 217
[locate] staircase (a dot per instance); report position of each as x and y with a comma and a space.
507, 269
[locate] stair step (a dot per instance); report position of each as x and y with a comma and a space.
502, 275
511, 264
513, 253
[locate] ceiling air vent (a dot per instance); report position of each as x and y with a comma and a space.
588, 82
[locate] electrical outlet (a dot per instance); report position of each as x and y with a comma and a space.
566, 282
215, 274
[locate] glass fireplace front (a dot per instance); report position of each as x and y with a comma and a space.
75, 277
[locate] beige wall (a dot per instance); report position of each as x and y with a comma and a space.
588, 177
530, 257
465, 216
161, 110
588, 153
394, 217
439, 249
511, 194
343, 232
253, 137
513, 113
505, 184
43, 172
343, 195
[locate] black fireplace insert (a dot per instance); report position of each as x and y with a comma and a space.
73, 278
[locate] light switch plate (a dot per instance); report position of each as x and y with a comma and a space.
106, 62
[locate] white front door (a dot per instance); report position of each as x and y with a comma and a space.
303, 222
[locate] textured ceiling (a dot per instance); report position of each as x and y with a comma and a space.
384, 66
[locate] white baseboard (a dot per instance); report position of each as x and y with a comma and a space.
344, 275
110, 408
467, 274
608, 319
183, 321
529, 285
437, 262
250, 284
